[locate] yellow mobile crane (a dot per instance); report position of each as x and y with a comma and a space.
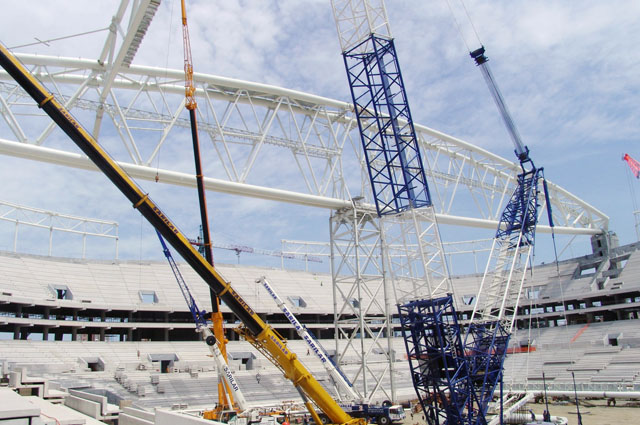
254, 328
225, 394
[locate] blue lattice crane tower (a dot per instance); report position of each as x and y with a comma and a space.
496, 305
455, 376
432, 334
380, 101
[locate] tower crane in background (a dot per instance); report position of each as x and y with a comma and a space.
225, 398
239, 249
633, 165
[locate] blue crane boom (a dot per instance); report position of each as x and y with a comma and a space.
496, 305
199, 316
388, 137
522, 152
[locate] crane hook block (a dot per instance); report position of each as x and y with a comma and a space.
478, 56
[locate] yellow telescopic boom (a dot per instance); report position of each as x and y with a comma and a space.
292, 368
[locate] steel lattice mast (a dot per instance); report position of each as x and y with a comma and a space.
380, 101
496, 305
398, 182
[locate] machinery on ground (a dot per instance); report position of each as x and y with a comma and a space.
384, 414
254, 329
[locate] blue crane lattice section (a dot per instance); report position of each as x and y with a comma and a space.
388, 137
521, 213
199, 316
437, 359
485, 349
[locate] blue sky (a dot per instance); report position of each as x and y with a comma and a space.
568, 71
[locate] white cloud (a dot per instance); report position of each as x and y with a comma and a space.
568, 71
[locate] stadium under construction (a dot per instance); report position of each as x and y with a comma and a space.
393, 311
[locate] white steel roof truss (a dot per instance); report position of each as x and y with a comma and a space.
264, 127
165, 132
11, 121
126, 137
228, 164
475, 170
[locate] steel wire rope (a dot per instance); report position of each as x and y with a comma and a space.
459, 27
564, 315
526, 385
531, 307
165, 108
46, 42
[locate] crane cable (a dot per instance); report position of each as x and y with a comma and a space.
546, 195
165, 107
458, 26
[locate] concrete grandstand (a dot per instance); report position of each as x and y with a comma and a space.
116, 328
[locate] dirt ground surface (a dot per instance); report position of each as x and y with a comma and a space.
595, 413
598, 414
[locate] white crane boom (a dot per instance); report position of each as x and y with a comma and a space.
224, 370
314, 346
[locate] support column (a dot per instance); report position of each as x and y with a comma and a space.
24, 333
103, 316
359, 296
